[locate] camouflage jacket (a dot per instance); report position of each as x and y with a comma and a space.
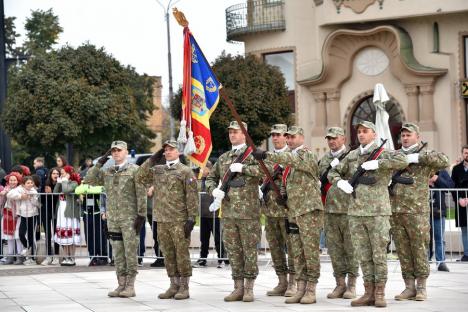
175, 191
371, 200
303, 184
271, 208
126, 198
414, 198
337, 201
240, 202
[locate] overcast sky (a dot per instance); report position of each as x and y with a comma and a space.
134, 32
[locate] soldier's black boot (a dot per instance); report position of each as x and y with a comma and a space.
409, 292
116, 292
172, 290
368, 298
281, 288
183, 292
339, 289
350, 292
238, 293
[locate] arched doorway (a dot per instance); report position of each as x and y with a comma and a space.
365, 110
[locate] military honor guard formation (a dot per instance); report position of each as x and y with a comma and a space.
358, 195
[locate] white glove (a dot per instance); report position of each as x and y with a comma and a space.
370, 165
236, 167
413, 158
59, 180
215, 205
260, 193
334, 162
345, 186
217, 193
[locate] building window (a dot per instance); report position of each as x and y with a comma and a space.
285, 62
435, 34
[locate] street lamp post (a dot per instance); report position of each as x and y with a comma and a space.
169, 62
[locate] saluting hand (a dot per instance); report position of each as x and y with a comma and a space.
104, 157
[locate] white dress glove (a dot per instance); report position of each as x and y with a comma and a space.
216, 204
370, 165
236, 167
334, 162
218, 194
345, 186
413, 158
260, 193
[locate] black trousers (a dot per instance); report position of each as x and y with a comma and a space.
210, 226
94, 234
28, 228
49, 223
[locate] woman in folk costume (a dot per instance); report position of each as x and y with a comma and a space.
10, 222
67, 233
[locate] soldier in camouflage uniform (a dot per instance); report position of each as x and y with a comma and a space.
175, 208
305, 211
275, 226
370, 211
240, 213
339, 243
410, 213
126, 211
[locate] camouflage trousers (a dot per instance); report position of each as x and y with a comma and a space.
306, 245
339, 244
175, 247
411, 235
278, 241
240, 239
370, 236
125, 250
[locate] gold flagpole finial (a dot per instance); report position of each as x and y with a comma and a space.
180, 17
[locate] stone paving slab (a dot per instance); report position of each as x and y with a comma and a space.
82, 290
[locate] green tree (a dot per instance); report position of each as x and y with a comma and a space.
81, 96
258, 91
42, 31
11, 49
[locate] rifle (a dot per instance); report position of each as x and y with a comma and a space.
324, 183
266, 186
358, 176
229, 175
397, 178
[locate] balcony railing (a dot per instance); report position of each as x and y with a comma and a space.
254, 16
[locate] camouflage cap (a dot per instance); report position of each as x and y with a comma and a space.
366, 124
171, 143
279, 128
411, 127
334, 132
293, 130
119, 144
234, 125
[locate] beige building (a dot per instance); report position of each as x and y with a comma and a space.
333, 52
155, 121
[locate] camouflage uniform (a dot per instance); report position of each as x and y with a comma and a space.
126, 199
305, 210
176, 194
410, 213
240, 214
369, 212
340, 247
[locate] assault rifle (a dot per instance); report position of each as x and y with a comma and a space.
266, 186
398, 179
228, 179
358, 176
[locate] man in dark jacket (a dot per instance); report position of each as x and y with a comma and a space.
460, 178
441, 180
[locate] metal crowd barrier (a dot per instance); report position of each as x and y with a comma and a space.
89, 237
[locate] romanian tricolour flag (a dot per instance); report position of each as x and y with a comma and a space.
200, 96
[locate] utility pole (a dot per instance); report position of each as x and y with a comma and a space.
5, 143
169, 62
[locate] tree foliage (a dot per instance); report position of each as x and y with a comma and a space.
10, 37
81, 96
258, 91
43, 30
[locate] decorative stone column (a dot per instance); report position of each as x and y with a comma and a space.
413, 107
320, 120
426, 117
333, 108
